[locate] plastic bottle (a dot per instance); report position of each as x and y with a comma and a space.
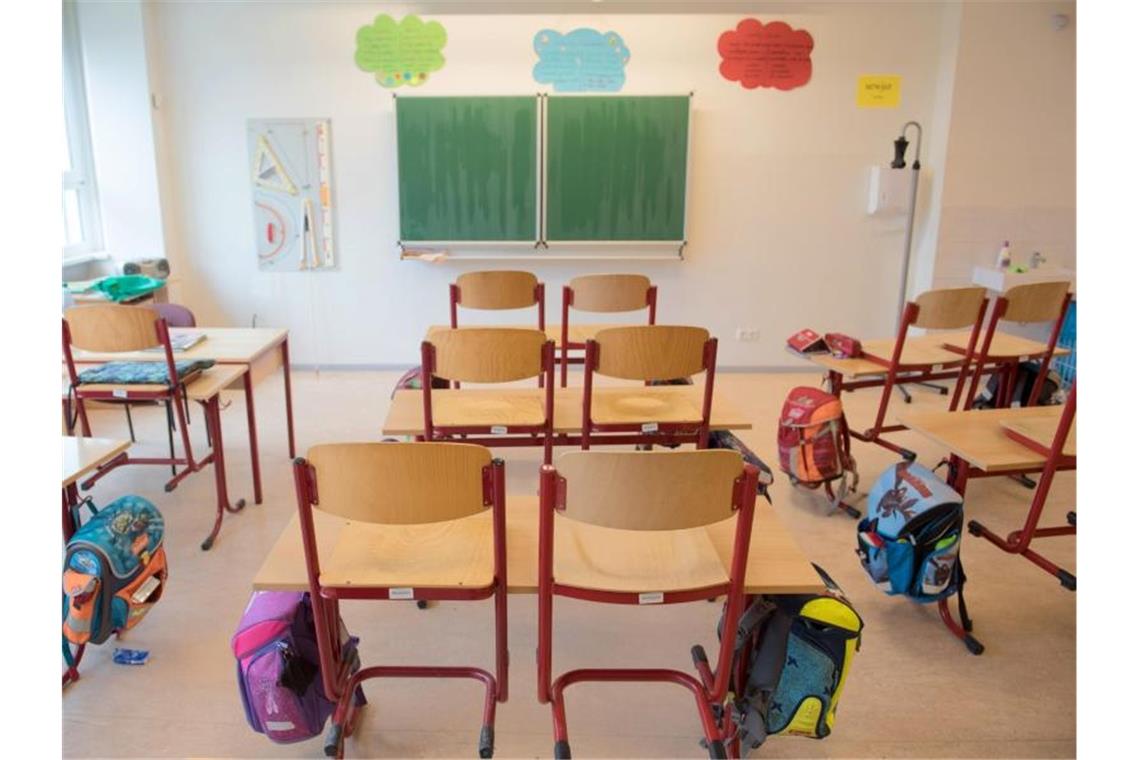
1003, 258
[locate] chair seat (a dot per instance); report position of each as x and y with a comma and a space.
632, 405
452, 554
204, 386
609, 559
472, 409
577, 333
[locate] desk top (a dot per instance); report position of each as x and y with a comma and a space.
82, 455
524, 406
382, 556
1003, 345
979, 436
919, 352
225, 345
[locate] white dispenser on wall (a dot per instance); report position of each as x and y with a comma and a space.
888, 191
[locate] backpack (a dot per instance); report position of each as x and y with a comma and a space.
815, 445
114, 571
410, 381
792, 658
1022, 387
724, 439
909, 541
278, 666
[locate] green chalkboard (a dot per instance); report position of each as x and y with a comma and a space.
616, 168
467, 168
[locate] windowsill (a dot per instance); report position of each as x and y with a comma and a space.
86, 258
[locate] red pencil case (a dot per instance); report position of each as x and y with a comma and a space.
807, 341
843, 346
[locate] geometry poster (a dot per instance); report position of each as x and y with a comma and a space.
291, 182
766, 55
585, 60
401, 53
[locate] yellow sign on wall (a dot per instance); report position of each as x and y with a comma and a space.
878, 91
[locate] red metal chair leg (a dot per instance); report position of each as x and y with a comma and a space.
712, 731
959, 630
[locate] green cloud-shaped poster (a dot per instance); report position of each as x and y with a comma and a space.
400, 53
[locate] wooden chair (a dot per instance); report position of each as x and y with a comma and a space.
430, 519
1026, 304
497, 290
1060, 455
948, 309
650, 353
487, 355
600, 293
626, 528
114, 328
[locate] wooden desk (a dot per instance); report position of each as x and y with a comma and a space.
1038, 432
979, 436
84, 455
1003, 346
261, 350
776, 565
80, 457
518, 406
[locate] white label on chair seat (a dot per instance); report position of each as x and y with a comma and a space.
936, 368
649, 427
119, 393
651, 597
498, 430
1022, 358
401, 593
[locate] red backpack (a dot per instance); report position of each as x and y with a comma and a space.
815, 446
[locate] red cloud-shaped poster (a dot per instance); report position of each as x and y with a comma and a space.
766, 55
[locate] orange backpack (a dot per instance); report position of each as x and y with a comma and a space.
815, 445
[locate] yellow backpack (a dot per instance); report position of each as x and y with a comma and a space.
794, 653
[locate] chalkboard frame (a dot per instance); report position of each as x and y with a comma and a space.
654, 243
408, 245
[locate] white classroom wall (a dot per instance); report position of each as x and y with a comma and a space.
778, 237
1011, 170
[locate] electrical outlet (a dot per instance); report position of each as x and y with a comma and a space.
747, 334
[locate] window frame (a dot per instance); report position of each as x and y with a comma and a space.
81, 177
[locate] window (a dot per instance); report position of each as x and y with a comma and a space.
82, 233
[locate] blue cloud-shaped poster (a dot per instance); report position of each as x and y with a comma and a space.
585, 60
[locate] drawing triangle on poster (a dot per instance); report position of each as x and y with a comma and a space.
268, 172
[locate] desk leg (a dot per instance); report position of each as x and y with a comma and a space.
70, 499
288, 395
214, 420
251, 423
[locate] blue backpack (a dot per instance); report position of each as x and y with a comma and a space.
909, 540
113, 573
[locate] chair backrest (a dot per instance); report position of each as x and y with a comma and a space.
650, 490
950, 308
112, 327
176, 315
651, 352
610, 292
1035, 302
487, 354
400, 483
497, 290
